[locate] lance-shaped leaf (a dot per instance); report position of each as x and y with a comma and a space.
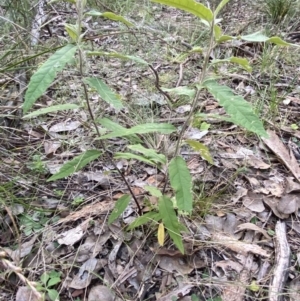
113, 126
111, 16
45, 75
130, 156
76, 164
170, 221
148, 152
191, 6
118, 55
202, 149
237, 107
220, 6
119, 208
163, 128
237, 60
144, 219
56, 108
260, 37
181, 182
105, 92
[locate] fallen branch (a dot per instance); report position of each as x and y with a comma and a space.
282, 262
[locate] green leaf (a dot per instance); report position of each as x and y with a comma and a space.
144, 219
150, 153
72, 31
220, 6
237, 107
202, 149
242, 62
181, 182
53, 294
44, 278
53, 281
119, 56
237, 60
76, 164
217, 31
120, 207
45, 75
51, 109
163, 128
184, 90
196, 49
190, 6
225, 38
129, 156
105, 92
109, 15
114, 17
255, 37
260, 37
170, 221
113, 126
154, 191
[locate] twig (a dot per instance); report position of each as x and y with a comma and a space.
282, 262
181, 72
157, 85
8, 265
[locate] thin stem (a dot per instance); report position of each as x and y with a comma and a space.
109, 156
195, 100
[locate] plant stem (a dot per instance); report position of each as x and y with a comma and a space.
102, 144
195, 100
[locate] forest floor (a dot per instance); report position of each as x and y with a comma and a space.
244, 231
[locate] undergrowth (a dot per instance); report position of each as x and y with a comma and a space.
149, 141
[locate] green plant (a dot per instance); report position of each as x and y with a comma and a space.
46, 284
165, 214
37, 164
278, 9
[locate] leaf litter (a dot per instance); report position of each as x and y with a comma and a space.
226, 247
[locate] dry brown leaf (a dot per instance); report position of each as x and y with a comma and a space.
22, 251
254, 202
84, 276
291, 186
65, 126
174, 264
273, 187
294, 290
178, 292
51, 146
239, 194
253, 227
288, 204
24, 293
92, 246
272, 203
257, 163
285, 156
99, 177
99, 208
71, 236
229, 265
238, 246
101, 292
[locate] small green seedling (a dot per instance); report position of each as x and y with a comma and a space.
46, 284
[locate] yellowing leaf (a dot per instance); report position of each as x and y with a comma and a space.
202, 149
161, 234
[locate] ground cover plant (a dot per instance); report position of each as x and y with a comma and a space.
175, 193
